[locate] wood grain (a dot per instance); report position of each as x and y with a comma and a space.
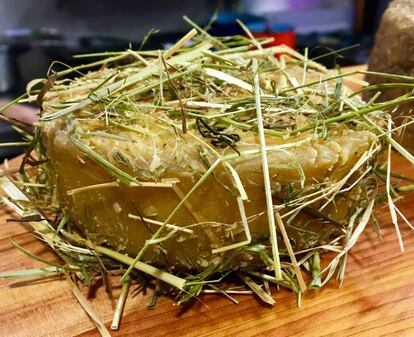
377, 298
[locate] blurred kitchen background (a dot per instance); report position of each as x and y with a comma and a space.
35, 33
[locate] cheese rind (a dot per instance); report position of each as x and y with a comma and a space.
212, 214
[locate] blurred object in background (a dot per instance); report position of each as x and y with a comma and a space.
308, 16
281, 33
393, 53
39, 33
23, 113
324, 25
225, 24
29, 53
8, 77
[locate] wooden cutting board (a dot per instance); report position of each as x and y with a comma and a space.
377, 297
